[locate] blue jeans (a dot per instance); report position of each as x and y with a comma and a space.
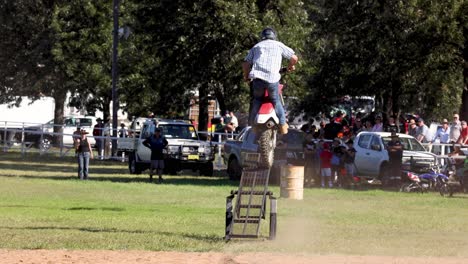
258, 93
83, 165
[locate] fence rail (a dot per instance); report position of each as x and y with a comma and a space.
20, 135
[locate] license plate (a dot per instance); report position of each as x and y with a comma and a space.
193, 157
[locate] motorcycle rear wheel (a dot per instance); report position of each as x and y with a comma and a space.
411, 187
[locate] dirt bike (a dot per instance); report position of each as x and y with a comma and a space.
432, 180
266, 126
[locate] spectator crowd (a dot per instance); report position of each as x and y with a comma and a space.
331, 164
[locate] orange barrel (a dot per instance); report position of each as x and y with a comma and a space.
292, 182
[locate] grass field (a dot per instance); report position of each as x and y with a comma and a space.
44, 206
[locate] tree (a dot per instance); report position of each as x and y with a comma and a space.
391, 49
82, 50
28, 67
200, 45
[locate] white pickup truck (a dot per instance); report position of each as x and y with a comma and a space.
372, 157
185, 149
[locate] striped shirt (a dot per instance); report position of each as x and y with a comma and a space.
265, 58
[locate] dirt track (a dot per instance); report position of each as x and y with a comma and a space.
143, 257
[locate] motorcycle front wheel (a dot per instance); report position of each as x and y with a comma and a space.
445, 190
266, 144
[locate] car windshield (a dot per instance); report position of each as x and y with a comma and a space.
408, 143
178, 131
79, 121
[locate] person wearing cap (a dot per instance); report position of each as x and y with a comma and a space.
455, 128
443, 136
395, 156
422, 134
157, 143
98, 131
84, 153
412, 128
262, 65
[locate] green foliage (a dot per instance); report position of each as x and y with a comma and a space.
201, 44
82, 49
405, 53
410, 54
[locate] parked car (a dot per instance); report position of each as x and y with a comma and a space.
372, 156
42, 135
289, 149
185, 150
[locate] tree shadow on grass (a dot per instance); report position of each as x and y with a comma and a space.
65, 168
168, 180
206, 238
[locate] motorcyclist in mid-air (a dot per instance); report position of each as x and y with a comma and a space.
262, 65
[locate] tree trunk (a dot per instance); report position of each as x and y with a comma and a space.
106, 109
203, 109
59, 99
464, 104
222, 104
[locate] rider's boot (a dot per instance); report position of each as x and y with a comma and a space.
283, 129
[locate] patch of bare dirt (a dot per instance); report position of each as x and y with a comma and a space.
143, 257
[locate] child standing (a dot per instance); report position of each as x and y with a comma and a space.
325, 164
349, 156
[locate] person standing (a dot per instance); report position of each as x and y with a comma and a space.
455, 129
98, 131
392, 126
442, 136
262, 65
123, 133
325, 166
463, 139
395, 157
378, 126
412, 128
84, 153
423, 131
349, 156
234, 120
458, 162
336, 161
309, 148
156, 143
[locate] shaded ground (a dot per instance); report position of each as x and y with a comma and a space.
143, 257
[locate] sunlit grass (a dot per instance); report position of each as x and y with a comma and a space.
44, 205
